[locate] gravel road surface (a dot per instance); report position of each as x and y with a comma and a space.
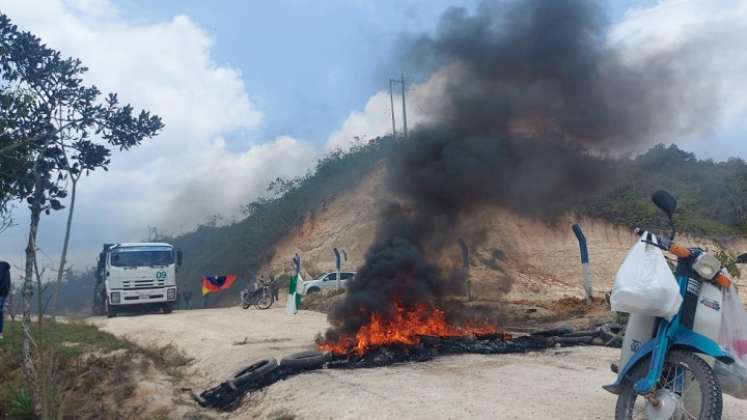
555, 384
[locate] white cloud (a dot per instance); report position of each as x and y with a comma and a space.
166, 68
190, 171
710, 33
376, 118
236, 179
709, 36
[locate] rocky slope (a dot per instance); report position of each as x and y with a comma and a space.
520, 259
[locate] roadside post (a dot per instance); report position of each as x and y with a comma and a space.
337, 266
465, 267
584, 261
340, 256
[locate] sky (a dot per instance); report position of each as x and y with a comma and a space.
250, 91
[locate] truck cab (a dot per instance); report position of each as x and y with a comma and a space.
136, 275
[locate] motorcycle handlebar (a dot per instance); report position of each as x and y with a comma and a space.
666, 245
721, 279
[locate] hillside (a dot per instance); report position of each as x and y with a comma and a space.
338, 205
520, 259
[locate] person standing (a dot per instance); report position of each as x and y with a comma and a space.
188, 299
274, 287
4, 290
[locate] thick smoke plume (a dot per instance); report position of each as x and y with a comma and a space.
533, 95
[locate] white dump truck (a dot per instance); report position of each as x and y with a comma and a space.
138, 275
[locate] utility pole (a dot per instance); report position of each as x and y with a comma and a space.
404, 107
391, 101
401, 82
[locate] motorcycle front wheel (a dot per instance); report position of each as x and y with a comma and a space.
687, 389
265, 299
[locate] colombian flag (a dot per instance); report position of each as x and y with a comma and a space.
215, 283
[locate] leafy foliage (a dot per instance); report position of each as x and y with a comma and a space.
52, 123
712, 200
712, 196
53, 128
242, 247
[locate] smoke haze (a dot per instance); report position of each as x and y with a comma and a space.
531, 100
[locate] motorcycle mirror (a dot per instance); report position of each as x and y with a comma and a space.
742, 259
665, 201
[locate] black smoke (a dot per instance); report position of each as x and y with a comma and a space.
534, 96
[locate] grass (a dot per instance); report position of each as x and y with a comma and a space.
70, 341
91, 365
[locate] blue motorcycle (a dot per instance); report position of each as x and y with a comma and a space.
665, 369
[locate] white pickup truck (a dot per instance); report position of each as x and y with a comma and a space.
136, 275
327, 281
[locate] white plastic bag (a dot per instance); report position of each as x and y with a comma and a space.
644, 283
733, 337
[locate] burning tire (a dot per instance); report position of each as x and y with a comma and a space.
305, 360
252, 373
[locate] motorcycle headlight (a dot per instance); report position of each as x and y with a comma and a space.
706, 265
171, 294
116, 297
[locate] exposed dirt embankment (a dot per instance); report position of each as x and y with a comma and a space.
520, 258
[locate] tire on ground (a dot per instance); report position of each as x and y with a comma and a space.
252, 373
305, 360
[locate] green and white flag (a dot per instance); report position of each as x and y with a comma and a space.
295, 290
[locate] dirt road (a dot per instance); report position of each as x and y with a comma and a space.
556, 384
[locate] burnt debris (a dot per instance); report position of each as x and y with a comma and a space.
228, 395
528, 100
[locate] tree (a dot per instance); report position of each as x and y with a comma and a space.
54, 129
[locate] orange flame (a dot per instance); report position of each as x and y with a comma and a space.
406, 327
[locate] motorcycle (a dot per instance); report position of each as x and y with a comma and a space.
262, 297
666, 366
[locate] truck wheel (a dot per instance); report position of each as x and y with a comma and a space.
168, 308
252, 373
305, 360
110, 311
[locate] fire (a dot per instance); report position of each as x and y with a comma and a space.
405, 328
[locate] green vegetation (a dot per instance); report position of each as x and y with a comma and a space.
712, 202
712, 196
242, 247
89, 364
70, 341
